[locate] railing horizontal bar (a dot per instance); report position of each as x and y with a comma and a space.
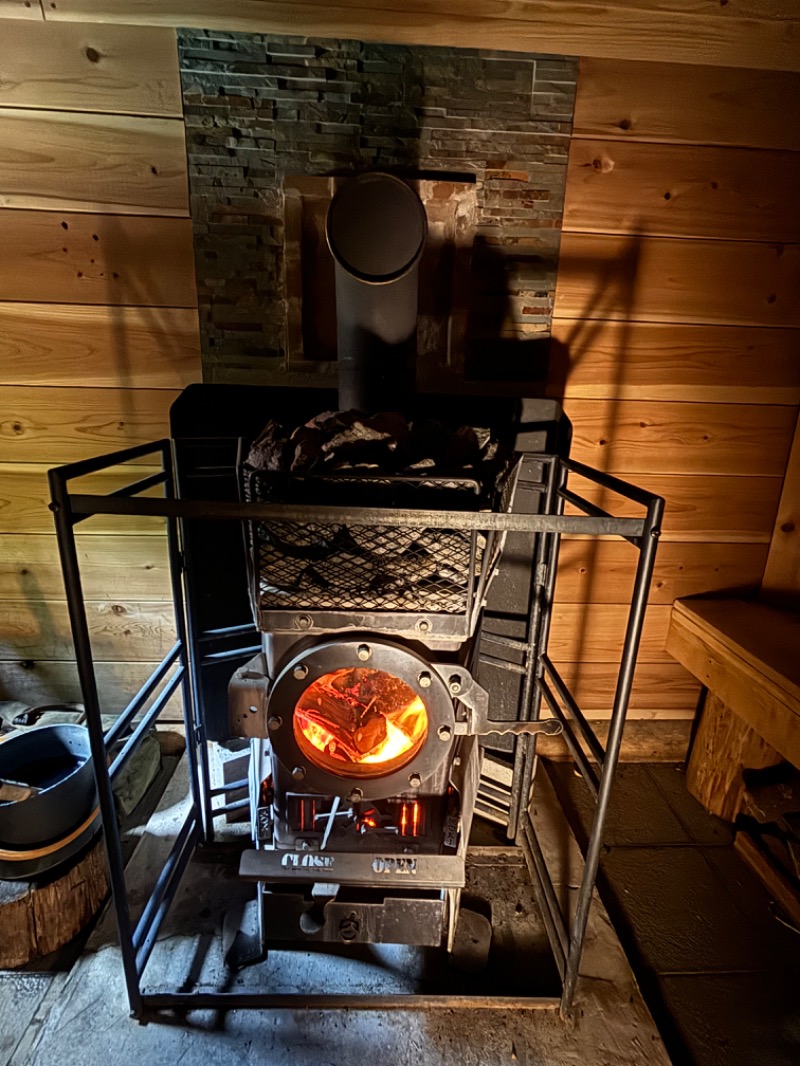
590, 509
245, 1000
232, 787
551, 912
142, 695
506, 642
136, 737
504, 664
564, 694
615, 484
141, 485
218, 510
229, 808
578, 754
223, 656
146, 931
70, 471
210, 635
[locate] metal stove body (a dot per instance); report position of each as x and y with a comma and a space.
364, 715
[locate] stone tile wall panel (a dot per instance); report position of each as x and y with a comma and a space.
260, 109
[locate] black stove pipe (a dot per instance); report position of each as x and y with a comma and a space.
376, 229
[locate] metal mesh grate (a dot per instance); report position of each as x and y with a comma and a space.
328, 567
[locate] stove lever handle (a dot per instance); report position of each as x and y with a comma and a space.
475, 699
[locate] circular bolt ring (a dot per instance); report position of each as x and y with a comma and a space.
331, 653
423, 626
444, 732
303, 621
275, 722
364, 652
424, 679
414, 780
355, 796
299, 773
455, 684
300, 671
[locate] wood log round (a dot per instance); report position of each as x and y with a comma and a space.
38, 919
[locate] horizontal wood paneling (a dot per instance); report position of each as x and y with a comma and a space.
673, 361
781, 585
628, 99
700, 508
661, 280
98, 332
24, 499
41, 681
681, 438
97, 259
107, 347
603, 571
79, 162
673, 30
120, 630
660, 689
677, 348
71, 67
60, 425
594, 633
112, 567
682, 191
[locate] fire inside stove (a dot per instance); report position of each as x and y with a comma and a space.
360, 722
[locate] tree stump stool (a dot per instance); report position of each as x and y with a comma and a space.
38, 918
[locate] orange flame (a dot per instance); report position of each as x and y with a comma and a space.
339, 714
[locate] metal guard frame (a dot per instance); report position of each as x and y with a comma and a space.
541, 681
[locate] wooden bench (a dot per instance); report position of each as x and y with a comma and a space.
747, 654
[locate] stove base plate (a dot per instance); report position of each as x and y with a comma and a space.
293, 916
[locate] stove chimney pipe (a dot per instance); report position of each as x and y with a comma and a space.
376, 230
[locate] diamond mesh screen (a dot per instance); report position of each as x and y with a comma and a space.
329, 567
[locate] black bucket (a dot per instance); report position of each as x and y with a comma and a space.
56, 759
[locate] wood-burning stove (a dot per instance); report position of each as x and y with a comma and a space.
363, 706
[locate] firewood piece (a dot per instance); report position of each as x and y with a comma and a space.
378, 542
356, 730
324, 539
463, 449
268, 451
412, 566
342, 570
439, 595
358, 443
305, 449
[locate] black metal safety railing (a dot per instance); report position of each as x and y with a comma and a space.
543, 687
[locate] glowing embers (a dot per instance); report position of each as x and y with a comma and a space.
360, 722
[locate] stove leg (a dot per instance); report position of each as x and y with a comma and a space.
242, 940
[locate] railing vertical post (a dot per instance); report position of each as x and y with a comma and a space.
633, 634
65, 535
195, 741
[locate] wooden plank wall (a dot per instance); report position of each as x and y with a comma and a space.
98, 332
677, 333
747, 33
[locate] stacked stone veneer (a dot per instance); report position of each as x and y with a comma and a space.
260, 109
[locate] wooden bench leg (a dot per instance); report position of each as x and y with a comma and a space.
724, 747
